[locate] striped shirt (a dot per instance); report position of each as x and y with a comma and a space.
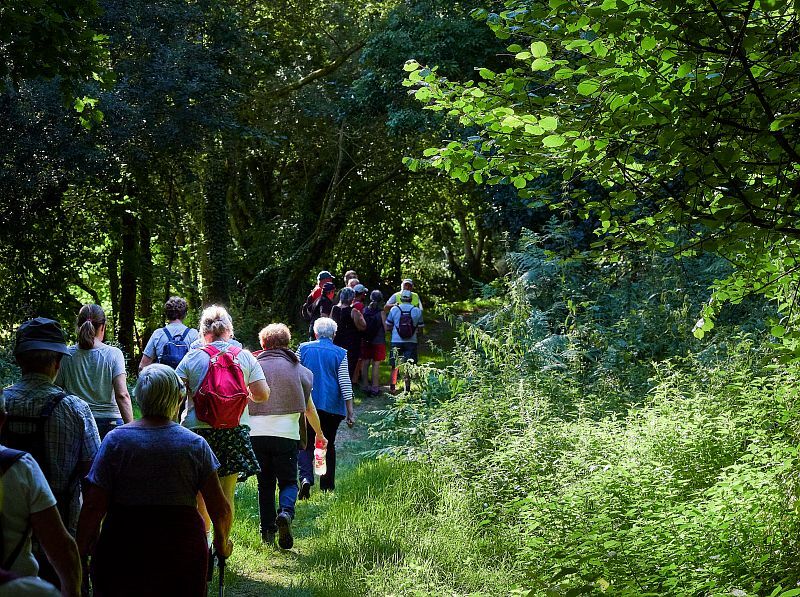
71, 433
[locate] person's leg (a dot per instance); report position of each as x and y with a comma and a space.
266, 484
376, 376
393, 358
330, 425
364, 378
305, 460
284, 462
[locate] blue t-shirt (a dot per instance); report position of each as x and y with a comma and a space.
153, 466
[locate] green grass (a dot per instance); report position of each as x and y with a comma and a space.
390, 528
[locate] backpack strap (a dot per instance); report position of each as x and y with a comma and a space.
182, 335
211, 350
8, 458
166, 331
51, 406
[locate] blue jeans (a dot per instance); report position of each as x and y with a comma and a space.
106, 424
406, 351
277, 457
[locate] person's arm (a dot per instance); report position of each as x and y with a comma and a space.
313, 419
390, 303
388, 322
48, 528
259, 391
144, 362
346, 389
93, 510
219, 510
123, 398
358, 319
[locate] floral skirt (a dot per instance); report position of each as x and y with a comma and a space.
233, 449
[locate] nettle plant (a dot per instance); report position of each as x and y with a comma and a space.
685, 111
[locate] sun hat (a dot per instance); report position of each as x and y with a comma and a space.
405, 295
360, 288
40, 334
324, 275
407, 281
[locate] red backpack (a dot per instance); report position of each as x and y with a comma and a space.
222, 397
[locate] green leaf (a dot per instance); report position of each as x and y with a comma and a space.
588, 87
685, 69
411, 65
649, 43
486, 74
553, 141
778, 331
542, 64
549, 123
539, 49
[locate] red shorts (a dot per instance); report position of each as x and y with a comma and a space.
373, 352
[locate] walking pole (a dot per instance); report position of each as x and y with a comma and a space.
221, 564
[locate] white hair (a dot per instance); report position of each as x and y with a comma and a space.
325, 327
158, 391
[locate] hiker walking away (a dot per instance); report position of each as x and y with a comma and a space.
404, 320
143, 487
221, 378
350, 324
350, 275
275, 430
333, 397
407, 284
96, 372
320, 307
360, 298
306, 311
168, 345
373, 345
28, 506
55, 428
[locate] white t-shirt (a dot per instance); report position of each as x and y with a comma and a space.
287, 426
157, 341
193, 369
24, 492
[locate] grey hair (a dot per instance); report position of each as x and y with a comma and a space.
325, 327
158, 391
346, 296
215, 320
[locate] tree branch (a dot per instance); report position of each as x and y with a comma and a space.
317, 74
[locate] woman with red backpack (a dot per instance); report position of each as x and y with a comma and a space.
220, 378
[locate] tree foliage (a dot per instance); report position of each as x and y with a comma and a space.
685, 112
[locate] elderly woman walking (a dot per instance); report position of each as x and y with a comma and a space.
333, 397
95, 372
275, 431
239, 371
144, 483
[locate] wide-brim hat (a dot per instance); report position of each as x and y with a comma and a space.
40, 334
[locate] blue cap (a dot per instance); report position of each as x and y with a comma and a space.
323, 275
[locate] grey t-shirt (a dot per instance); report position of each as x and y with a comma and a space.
153, 466
89, 374
157, 341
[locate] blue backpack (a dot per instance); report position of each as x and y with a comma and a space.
175, 349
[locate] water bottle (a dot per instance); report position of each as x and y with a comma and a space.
319, 458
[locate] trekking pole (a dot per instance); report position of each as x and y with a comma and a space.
221, 564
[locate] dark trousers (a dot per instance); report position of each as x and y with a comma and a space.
330, 425
277, 457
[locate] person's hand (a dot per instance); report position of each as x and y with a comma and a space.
351, 420
324, 440
226, 550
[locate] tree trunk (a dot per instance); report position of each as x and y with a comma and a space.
128, 283
145, 283
216, 235
113, 284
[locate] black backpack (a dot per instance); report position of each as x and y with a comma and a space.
35, 443
405, 325
175, 349
307, 310
374, 323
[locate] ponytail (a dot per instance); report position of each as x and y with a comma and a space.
90, 318
86, 335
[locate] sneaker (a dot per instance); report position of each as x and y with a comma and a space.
305, 490
284, 522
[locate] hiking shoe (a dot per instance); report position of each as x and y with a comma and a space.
305, 490
284, 522
268, 537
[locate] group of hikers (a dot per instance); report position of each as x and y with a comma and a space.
84, 486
